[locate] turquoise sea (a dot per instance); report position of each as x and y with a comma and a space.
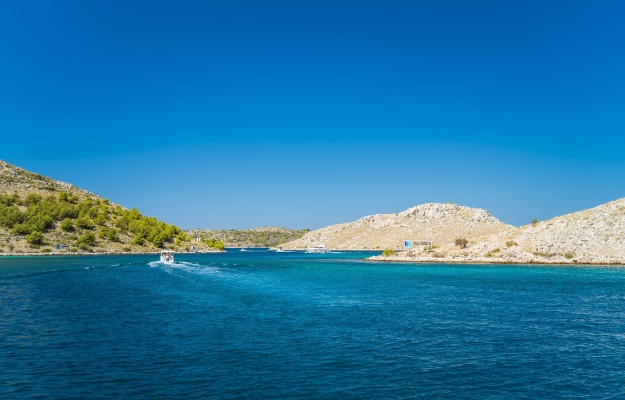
265, 325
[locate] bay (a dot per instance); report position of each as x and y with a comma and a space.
261, 324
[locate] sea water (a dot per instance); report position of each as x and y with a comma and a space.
264, 325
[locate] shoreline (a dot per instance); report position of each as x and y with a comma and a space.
492, 262
102, 253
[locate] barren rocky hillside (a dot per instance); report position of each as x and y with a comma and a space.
437, 223
593, 236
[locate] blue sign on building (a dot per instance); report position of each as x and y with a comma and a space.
407, 244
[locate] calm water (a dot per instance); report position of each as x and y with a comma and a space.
286, 325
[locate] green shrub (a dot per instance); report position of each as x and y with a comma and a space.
32, 198
534, 222
100, 220
543, 254
158, 241
462, 243
108, 234
213, 243
10, 215
9, 200
85, 241
138, 239
67, 210
388, 252
67, 225
510, 243
85, 222
21, 229
35, 238
569, 255
493, 252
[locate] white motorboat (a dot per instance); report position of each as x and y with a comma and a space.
317, 249
167, 256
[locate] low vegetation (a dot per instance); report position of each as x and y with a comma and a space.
462, 243
493, 252
257, 237
544, 254
82, 223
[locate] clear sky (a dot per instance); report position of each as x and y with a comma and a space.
237, 114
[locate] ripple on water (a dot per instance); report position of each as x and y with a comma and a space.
273, 326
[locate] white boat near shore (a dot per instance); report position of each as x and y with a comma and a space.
317, 249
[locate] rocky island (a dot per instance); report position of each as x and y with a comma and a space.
449, 233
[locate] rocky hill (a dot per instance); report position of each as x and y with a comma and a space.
267, 236
37, 214
594, 236
433, 222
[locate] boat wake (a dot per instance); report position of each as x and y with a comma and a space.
185, 266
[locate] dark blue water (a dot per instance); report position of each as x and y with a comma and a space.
287, 325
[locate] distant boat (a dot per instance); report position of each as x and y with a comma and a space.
167, 256
280, 250
243, 250
317, 249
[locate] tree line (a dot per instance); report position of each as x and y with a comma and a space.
87, 220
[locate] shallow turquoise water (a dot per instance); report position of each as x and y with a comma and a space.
290, 325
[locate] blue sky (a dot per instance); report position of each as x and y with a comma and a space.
303, 114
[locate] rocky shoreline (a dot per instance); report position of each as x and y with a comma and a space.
487, 261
